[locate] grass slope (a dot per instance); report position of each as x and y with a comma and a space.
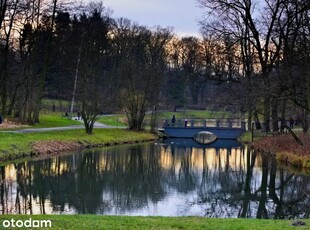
18, 145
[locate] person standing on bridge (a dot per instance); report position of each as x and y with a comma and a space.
173, 120
185, 123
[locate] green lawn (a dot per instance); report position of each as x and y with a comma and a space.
113, 120
48, 120
247, 136
59, 104
54, 120
124, 222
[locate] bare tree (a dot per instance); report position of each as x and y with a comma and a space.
93, 86
253, 23
192, 65
141, 67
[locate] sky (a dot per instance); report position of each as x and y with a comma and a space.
182, 15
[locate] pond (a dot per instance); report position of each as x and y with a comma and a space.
175, 178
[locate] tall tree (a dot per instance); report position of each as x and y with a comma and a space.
46, 59
192, 65
141, 67
9, 10
254, 23
94, 87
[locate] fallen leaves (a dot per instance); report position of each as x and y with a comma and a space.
286, 149
50, 147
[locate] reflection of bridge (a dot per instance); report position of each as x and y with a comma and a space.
222, 129
190, 143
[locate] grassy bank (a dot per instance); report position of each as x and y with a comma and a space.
286, 149
19, 145
283, 147
125, 222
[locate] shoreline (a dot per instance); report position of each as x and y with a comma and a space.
63, 148
55, 143
284, 148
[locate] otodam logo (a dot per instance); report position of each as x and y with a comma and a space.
30, 223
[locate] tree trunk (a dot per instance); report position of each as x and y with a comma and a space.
76, 78
153, 119
274, 115
257, 122
266, 127
283, 109
250, 120
43, 74
3, 7
4, 68
305, 121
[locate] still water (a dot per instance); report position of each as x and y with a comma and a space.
176, 178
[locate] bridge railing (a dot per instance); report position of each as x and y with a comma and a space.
219, 123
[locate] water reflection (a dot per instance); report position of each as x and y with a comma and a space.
166, 179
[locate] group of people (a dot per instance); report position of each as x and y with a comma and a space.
289, 123
79, 117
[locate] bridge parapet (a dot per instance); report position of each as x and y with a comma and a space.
199, 123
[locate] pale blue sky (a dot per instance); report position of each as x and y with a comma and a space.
182, 15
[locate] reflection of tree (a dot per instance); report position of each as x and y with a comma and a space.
262, 211
247, 186
134, 178
277, 199
219, 186
187, 179
130, 178
225, 183
2, 189
251, 195
24, 181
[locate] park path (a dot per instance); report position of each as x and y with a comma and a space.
70, 127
